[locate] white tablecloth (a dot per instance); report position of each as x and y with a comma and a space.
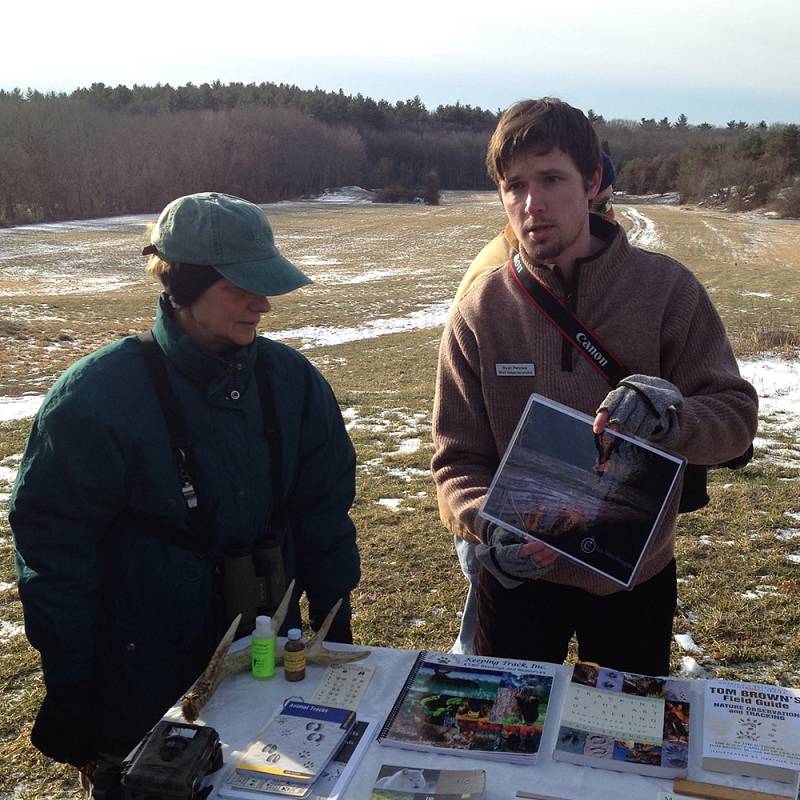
242, 705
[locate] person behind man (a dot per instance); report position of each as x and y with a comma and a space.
505, 245
684, 392
493, 255
124, 533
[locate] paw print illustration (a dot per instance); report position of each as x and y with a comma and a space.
309, 765
304, 754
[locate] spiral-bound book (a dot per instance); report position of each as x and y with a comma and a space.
478, 706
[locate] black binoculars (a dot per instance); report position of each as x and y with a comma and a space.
254, 582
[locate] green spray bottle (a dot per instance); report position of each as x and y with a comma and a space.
263, 649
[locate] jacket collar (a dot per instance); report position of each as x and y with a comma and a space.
190, 359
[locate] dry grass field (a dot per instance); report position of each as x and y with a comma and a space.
371, 322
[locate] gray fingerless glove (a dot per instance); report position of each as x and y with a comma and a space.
645, 406
500, 555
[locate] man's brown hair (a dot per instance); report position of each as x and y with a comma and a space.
538, 126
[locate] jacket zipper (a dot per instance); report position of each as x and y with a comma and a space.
570, 291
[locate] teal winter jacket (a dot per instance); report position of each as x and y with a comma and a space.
107, 600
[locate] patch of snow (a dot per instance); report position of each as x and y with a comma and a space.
4, 587
754, 294
69, 284
687, 644
691, 669
643, 233
19, 407
314, 261
758, 592
792, 515
415, 622
787, 534
777, 381
408, 446
370, 275
408, 473
794, 558
10, 630
392, 503
350, 417
346, 194
710, 542
98, 224
431, 316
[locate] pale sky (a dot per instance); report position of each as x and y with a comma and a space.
712, 60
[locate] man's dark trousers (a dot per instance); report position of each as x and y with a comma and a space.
629, 630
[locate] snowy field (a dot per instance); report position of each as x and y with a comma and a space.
383, 277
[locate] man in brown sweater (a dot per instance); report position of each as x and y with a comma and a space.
684, 393
494, 254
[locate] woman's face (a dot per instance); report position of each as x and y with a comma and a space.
224, 316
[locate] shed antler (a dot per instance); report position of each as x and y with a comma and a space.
223, 664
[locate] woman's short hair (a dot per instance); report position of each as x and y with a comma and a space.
184, 283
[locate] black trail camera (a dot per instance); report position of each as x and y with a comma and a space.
171, 762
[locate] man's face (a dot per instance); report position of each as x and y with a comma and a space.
547, 206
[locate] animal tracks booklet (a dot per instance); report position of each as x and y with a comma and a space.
298, 743
478, 706
330, 785
595, 499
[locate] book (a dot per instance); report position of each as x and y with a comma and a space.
596, 499
624, 721
752, 729
330, 785
409, 783
298, 742
476, 706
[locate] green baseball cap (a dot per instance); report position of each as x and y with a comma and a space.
229, 234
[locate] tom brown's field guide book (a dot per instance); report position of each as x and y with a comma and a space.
752, 729
411, 783
298, 742
597, 499
625, 722
477, 706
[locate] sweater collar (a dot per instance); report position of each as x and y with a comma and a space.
189, 358
602, 263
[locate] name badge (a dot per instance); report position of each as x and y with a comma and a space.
515, 370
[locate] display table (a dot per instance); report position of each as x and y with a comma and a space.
242, 705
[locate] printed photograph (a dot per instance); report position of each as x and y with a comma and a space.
596, 499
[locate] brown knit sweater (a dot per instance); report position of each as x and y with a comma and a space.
649, 310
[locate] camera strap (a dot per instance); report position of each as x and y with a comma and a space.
694, 494
202, 538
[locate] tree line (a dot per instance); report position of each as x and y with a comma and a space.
740, 166
109, 150
91, 154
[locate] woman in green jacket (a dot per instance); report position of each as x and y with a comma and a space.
123, 528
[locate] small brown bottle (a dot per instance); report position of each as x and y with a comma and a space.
294, 656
